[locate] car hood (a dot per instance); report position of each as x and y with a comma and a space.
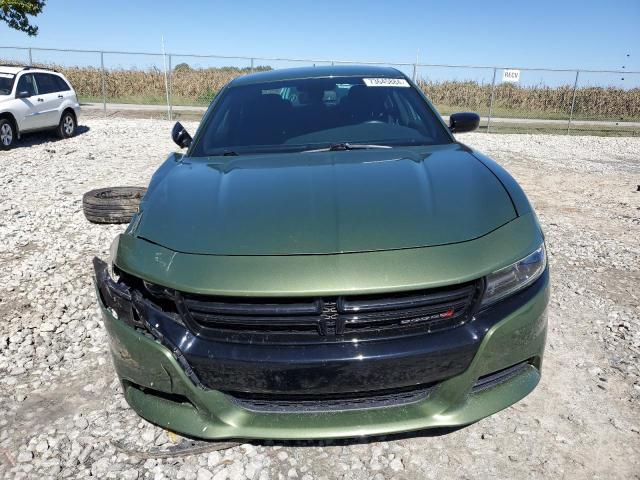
323, 202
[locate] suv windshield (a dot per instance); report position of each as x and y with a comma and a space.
307, 114
6, 83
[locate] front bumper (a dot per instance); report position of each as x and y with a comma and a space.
160, 385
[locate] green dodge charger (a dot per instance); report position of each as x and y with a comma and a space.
325, 260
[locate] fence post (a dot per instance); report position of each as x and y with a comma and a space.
573, 101
493, 91
251, 65
104, 84
170, 97
30, 57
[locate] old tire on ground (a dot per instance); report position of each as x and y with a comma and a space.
112, 205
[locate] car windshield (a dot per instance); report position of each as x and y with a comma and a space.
312, 114
6, 83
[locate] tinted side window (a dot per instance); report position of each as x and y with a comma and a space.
62, 85
6, 83
46, 83
27, 84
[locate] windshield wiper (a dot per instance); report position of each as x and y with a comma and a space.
337, 147
223, 153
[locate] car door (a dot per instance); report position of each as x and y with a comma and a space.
52, 98
27, 109
64, 90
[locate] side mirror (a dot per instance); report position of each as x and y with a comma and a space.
23, 94
180, 135
463, 122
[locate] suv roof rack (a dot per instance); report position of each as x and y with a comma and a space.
30, 67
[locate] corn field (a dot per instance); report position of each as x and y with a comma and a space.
197, 86
188, 86
590, 102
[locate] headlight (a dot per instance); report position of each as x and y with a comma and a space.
115, 296
517, 276
113, 251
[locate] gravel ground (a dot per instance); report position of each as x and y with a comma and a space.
61, 409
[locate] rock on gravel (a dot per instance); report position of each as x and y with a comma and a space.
61, 408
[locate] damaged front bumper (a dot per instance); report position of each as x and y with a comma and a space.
466, 374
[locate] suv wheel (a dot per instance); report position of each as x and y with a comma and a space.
7, 134
67, 126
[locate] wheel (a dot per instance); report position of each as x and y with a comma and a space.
67, 126
7, 134
112, 205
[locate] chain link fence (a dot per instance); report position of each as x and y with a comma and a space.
175, 86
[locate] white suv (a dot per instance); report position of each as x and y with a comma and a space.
35, 99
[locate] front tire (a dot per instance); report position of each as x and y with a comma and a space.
67, 126
8, 134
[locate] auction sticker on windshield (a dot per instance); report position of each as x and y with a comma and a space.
385, 82
6, 75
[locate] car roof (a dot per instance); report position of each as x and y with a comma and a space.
9, 69
17, 69
317, 72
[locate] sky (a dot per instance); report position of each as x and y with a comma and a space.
584, 34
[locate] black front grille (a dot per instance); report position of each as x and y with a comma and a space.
328, 319
327, 403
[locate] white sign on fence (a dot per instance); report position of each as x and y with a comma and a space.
510, 75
